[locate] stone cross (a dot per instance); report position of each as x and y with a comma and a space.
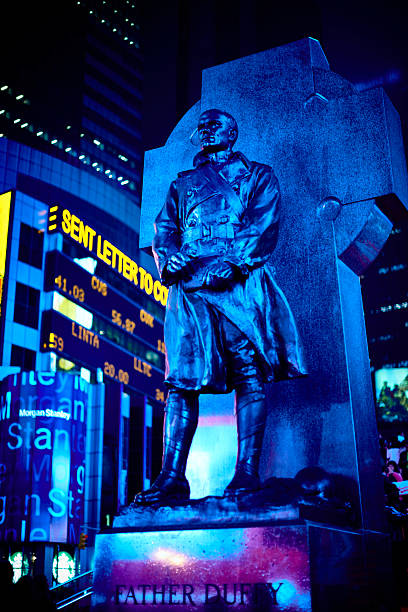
339, 158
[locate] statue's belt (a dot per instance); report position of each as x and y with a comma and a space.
204, 231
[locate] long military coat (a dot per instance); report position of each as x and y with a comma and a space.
232, 216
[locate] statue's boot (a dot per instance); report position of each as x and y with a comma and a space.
180, 423
251, 418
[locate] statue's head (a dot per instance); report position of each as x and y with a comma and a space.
216, 130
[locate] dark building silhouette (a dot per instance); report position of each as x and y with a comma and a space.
72, 84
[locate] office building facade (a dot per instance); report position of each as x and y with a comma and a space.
385, 299
82, 362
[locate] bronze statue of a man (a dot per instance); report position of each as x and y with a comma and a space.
228, 326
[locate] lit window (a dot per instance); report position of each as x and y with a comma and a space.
87, 263
20, 565
85, 374
63, 567
72, 311
65, 364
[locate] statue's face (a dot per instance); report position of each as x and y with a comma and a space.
215, 132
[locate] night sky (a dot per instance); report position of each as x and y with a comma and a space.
365, 42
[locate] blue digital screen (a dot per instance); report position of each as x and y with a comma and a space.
42, 456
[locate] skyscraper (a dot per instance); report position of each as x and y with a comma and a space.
71, 85
70, 150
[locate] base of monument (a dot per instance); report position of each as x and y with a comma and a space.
278, 500
295, 567
211, 511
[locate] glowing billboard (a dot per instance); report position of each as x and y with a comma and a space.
5, 202
42, 456
391, 387
61, 219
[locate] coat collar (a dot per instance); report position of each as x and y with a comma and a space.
237, 158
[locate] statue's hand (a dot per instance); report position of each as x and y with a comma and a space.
177, 267
220, 275
177, 262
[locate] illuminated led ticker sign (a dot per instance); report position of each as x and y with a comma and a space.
73, 341
61, 219
73, 282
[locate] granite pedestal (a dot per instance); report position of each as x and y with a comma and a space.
286, 566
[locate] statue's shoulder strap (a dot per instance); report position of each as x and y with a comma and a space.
220, 184
184, 173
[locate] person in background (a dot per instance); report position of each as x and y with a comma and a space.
395, 449
393, 472
6, 578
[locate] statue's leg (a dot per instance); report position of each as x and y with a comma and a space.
180, 423
250, 408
